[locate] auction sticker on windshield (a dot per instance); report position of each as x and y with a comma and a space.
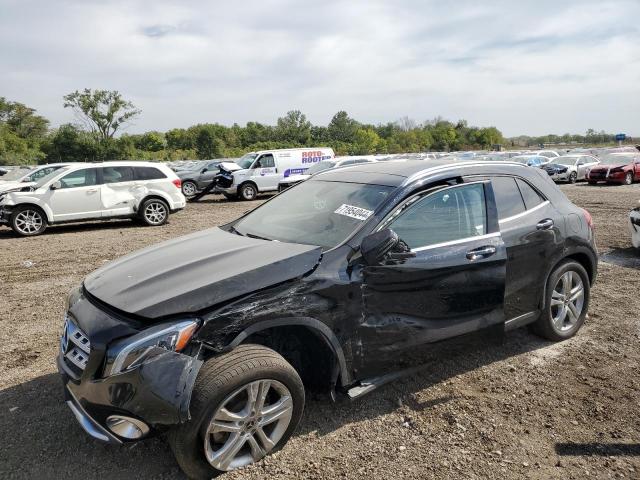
353, 212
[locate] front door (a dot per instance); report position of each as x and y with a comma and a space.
265, 174
78, 196
454, 284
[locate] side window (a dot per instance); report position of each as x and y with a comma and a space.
443, 216
508, 199
80, 178
531, 197
148, 173
266, 161
118, 174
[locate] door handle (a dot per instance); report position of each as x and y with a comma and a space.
545, 224
481, 252
92, 190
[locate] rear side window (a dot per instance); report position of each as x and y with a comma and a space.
148, 173
531, 197
508, 198
118, 174
443, 216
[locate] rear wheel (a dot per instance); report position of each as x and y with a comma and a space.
567, 302
28, 221
248, 191
245, 405
189, 189
628, 178
154, 212
573, 177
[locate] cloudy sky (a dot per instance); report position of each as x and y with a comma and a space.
527, 67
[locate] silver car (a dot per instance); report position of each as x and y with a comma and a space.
570, 168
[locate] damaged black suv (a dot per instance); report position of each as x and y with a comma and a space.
212, 338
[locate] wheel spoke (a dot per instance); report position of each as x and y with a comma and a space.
572, 312
264, 439
257, 451
566, 283
265, 385
274, 412
222, 426
227, 453
576, 293
225, 415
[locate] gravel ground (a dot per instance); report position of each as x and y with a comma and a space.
523, 408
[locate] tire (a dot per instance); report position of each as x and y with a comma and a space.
628, 178
28, 221
552, 324
154, 212
230, 196
189, 189
223, 379
248, 191
573, 178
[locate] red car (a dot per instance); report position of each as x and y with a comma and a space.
622, 168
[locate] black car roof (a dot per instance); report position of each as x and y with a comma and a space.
396, 173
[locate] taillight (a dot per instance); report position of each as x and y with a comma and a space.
588, 218
178, 183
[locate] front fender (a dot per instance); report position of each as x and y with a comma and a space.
16, 199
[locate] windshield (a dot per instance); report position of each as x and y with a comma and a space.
16, 174
46, 178
246, 160
319, 167
314, 212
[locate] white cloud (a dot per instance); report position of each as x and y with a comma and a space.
526, 67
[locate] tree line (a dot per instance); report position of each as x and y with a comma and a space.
26, 137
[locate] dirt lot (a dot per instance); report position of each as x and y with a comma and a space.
526, 408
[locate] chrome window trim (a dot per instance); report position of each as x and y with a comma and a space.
454, 242
522, 214
429, 171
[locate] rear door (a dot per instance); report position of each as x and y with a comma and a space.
78, 197
455, 283
121, 191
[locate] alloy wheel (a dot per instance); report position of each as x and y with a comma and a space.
248, 192
628, 179
188, 189
567, 301
155, 213
248, 424
28, 222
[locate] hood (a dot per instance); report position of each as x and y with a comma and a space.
198, 271
558, 167
604, 168
11, 185
230, 166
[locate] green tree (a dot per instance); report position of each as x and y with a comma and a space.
103, 112
342, 128
207, 145
366, 142
294, 127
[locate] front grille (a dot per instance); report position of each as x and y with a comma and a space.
74, 345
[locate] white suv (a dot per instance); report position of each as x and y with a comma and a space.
87, 191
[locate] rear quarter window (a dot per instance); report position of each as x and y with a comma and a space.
148, 173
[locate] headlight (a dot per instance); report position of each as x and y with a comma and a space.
132, 351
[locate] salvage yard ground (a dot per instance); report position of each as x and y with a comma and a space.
525, 408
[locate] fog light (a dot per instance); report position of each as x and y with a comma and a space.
127, 427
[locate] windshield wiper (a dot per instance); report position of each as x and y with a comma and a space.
233, 230
251, 235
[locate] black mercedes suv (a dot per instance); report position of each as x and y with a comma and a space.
212, 338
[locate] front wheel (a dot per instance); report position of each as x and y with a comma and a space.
154, 212
628, 178
248, 191
573, 177
245, 405
567, 302
28, 221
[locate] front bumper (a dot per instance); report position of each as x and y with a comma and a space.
157, 392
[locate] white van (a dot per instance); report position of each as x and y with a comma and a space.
258, 172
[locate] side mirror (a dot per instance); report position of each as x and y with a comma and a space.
580, 163
204, 170
374, 247
384, 245
56, 185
